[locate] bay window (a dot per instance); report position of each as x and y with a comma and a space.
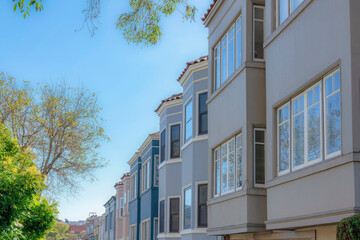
259, 156
188, 120
187, 208
228, 166
303, 115
174, 215
227, 54
258, 32
175, 141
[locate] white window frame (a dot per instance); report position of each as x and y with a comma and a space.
239, 19
253, 29
215, 173
192, 121
122, 207
183, 207
156, 169
254, 149
242, 161
227, 164
133, 227
323, 156
168, 214
278, 138
197, 202
219, 45
156, 236
165, 218
147, 234
169, 139
145, 181
198, 113
332, 74
133, 189
290, 11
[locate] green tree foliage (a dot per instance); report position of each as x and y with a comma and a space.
348, 228
60, 231
24, 7
23, 213
61, 125
141, 25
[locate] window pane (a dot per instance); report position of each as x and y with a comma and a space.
187, 208
156, 223
328, 86
224, 59
217, 67
284, 146
203, 121
239, 161
314, 126
224, 168
259, 40
175, 141
231, 51
162, 216
156, 170
283, 10
295, 4
260, 136
337, 81
188, 119
162, 150
333, 123
203, 116
174, 215
299, 138
238, 42
202, 205
259, 164
259, 13
231, 165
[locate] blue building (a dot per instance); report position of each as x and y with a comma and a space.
144, 182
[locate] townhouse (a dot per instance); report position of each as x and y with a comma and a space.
184, 157
122, 207
143, 202
110, 211
283, 107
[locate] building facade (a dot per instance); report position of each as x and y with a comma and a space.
279, 162
110, 218
183, 183
143, 203
122, 207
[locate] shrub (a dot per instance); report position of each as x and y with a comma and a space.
349, 228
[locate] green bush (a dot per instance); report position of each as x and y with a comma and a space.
349, 228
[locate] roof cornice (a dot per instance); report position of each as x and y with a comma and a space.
154, 136
212, 12
169, 104
193, 68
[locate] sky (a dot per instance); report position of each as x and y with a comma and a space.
129, 80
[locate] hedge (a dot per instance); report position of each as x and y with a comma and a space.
349, 228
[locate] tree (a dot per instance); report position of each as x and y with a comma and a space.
141, 25
24, 214
60, 124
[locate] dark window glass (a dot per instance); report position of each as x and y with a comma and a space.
175, 141
259, 156
202, 205
174, 215
258, 32
162, 216
187, 208
162, 147
203, 114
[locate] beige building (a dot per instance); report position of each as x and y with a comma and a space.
284, 109
122, 209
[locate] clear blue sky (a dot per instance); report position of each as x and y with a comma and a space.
130, 81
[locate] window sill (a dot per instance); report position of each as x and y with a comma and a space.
251, 64
193, 231
169, 235
286, 22
195, 139
237, 194
314, 169
170, 161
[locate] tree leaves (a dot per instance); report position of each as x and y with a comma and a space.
25, 6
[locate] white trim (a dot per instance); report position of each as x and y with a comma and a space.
154, 227
278, 138
141, 229
130, 227
183, 207
193, 82
148, 169
195, 139
193, 68
168, 213
197, 110
215, 173
169, 115
169, 104
160, 200
135, 186
289, 12
253, 29
156, 169
171, 161
184, 120
160, 146
169, 139
254, 149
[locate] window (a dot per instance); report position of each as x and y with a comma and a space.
188, 121
203, 114
156, 229
156, 169
305, 112
187, 208
146, 175
162, 147
228, 166
227, 54
110, 220
106, 222
259, 34
133, 232
133, 186
175, 141
202, 205
174, 215
285, 8
145, 230
259, 156
122, 207
162, 216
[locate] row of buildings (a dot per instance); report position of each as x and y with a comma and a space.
264, 140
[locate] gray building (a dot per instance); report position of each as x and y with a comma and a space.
283, 136
110, 213
183, 157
